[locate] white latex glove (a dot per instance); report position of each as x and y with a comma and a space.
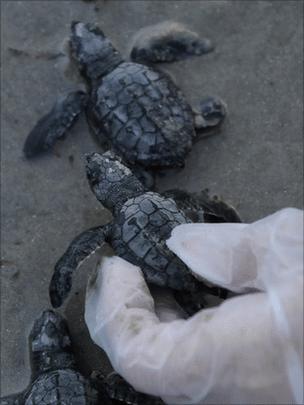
247, 350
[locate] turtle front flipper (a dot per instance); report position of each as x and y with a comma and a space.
16, 399
167, 42
200, 207
81, 247
55, 124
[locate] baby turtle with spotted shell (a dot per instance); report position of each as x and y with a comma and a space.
55, 379
136, 109
142, 222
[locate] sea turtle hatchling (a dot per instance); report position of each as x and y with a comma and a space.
136, 109
142, 222
55, 379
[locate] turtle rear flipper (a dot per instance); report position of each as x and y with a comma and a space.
120, 391
217, 210
203, 297
200, 207
55, 124
210, 113
81, 247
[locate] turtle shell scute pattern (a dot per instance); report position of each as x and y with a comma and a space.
63, 387
139, 235
145, 116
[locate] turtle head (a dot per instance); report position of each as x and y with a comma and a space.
111, 181
93, 52
50, 332
50, 343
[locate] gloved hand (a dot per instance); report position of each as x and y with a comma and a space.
247, 350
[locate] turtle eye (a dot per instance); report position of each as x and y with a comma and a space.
93, 179
50, 330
